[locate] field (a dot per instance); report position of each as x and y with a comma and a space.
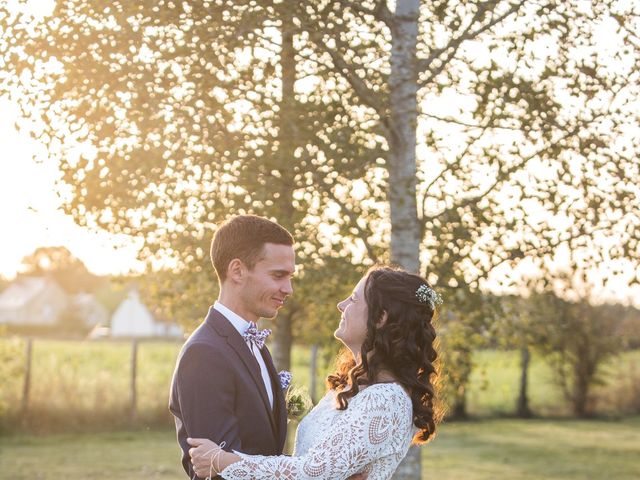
86, 384
482, 450
494, 385
85, 387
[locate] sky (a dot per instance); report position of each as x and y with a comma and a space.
30, 212
30, 209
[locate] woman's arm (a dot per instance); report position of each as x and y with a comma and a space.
375, 425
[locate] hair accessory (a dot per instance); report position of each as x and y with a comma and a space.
428, 295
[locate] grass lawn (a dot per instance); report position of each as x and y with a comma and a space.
535, 449
495, 449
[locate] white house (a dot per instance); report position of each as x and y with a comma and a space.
33, 301
133, 319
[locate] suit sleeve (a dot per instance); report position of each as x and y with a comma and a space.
206, 391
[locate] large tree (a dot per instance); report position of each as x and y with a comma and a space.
535, 113
535, 145
191, 115
577, 338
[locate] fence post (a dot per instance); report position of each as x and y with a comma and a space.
27, 377
314, 369
134, 368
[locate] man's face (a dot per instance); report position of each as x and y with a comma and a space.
268, 284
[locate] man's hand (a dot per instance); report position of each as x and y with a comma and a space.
202, 454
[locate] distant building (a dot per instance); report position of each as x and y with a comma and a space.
41, 302
133, 319
33, 301
87, 308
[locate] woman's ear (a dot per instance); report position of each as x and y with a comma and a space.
383, 318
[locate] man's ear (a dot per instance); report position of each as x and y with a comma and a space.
383, 318
236, 270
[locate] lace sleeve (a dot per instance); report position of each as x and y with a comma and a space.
374, 425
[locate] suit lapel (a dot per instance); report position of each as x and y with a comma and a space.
237, 343
279, 404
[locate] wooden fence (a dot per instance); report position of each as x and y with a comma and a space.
133, 372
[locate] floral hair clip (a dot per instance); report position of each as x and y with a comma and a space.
428, 295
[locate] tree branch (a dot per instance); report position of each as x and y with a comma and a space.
380, 12
353, 217
315, 60
465, 124
448, 168
504, 175
366, 95
456, 42
363, 235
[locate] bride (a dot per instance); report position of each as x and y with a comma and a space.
380, 399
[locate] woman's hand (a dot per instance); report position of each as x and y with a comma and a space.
202, 454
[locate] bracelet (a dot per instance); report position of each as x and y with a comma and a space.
216, 458
210, 476
218, 451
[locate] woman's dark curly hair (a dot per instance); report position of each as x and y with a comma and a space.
404, 346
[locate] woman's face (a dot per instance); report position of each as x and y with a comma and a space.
352, 329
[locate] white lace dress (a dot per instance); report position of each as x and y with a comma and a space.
373, 434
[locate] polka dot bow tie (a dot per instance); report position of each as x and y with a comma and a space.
254, 336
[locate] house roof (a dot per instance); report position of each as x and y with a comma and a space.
20, 292
87, 300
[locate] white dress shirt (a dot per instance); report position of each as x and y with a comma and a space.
241, 325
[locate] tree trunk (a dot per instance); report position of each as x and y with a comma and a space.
281, 343
283, 336
522, 408
403, 120
580, 391
459, 410
410, 466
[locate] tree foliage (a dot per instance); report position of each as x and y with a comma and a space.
61, 265
196, 119
576, 339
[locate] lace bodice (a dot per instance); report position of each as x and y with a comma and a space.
373, 434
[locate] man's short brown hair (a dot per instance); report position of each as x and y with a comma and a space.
243, 237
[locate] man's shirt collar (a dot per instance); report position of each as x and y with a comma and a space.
239, 323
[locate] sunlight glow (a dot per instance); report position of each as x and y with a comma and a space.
30, 209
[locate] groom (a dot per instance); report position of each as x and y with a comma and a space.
225, 386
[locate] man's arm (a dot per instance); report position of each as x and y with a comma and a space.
206, 392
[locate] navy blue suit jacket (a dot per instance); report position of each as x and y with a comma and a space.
217, 392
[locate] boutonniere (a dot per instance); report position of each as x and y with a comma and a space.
285, 379
297, 399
